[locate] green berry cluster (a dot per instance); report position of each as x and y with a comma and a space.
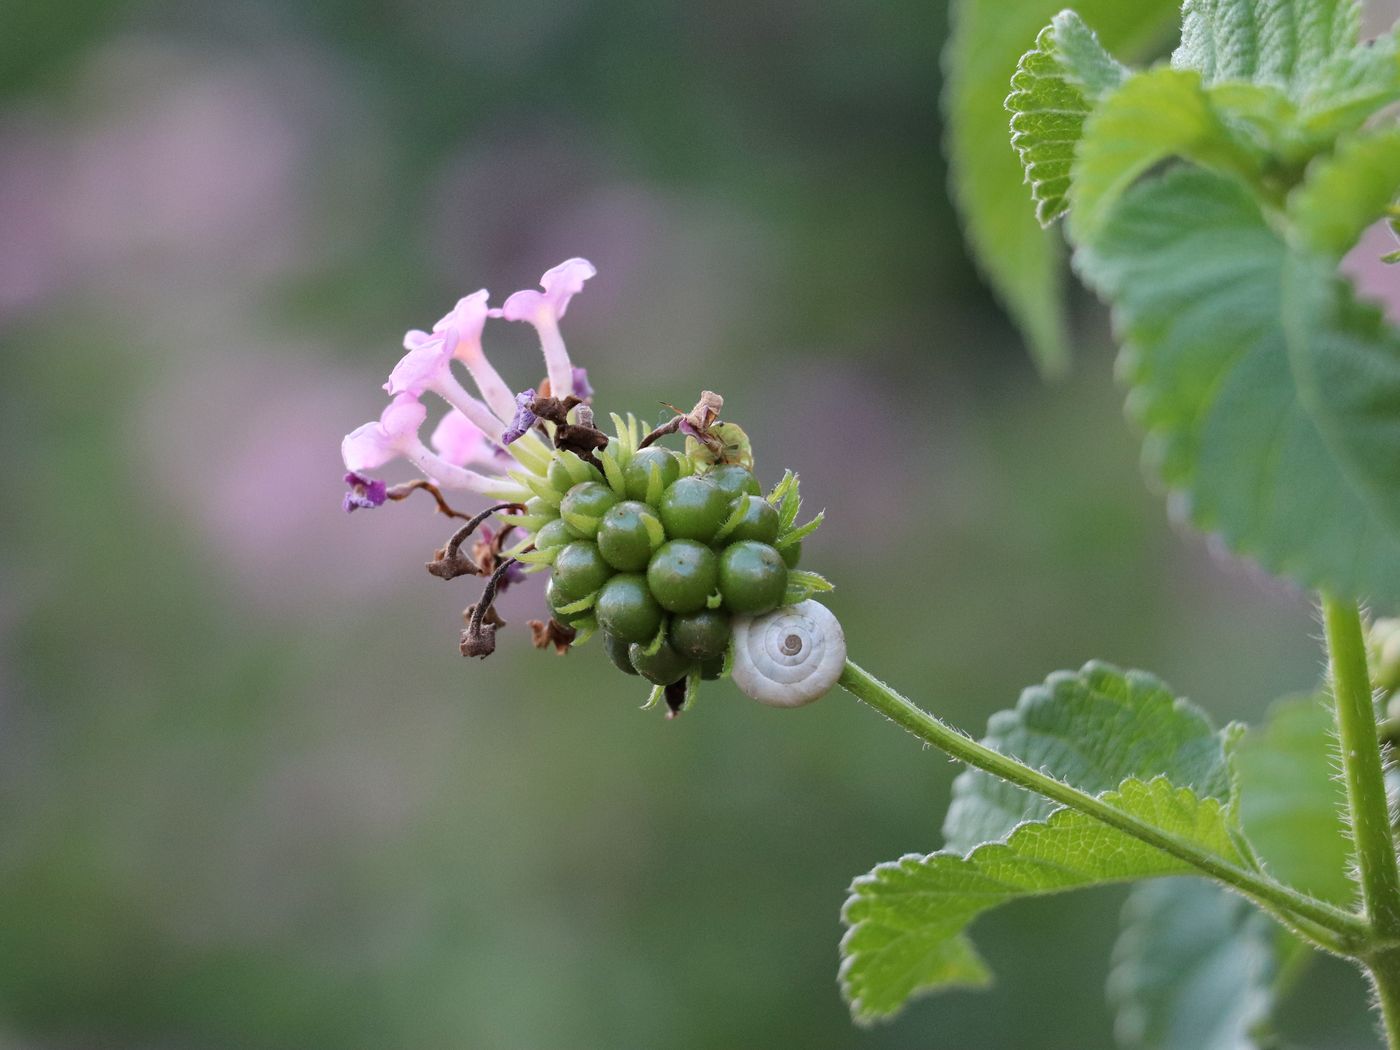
658, 552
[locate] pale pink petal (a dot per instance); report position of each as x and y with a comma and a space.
560, 285
543, 310
370, 446
364, 448
428, 359
459, 441
466, 321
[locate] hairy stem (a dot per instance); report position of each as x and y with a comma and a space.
1331, 927
1384, 968
1361, 766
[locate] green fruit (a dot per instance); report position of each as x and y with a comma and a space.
661, 667
694, 509
760, 522
580, 570
537, 507
702, 635
629, 535
553, 534
712, 669
682, 574
583, 507
734, 479
792, 554
616, 649
636, 476
752, 577
556, 598
626, 608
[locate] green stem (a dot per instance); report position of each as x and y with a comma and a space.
1384, 968
1361, 766
1333, 928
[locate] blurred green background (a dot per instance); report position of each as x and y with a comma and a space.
250, 796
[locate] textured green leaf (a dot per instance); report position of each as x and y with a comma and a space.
1021, 261
906, 918
1155, 115
1351, 86
1092, 729
1290, 803
1195, 275
1285, 42
1195, 968
1051, 94
1347, 362
1346, 192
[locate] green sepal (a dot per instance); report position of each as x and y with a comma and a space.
654, 697
732, 522
584, 628
585, 523
538, 485
579, 606
802, 584
800, 533
537, 557
612, 471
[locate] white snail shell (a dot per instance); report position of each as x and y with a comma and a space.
790, 656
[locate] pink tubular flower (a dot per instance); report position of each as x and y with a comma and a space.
466, 321
544, 309
428, 366
461, 442
394, 435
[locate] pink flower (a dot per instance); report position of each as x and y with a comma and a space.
395, 435
428, 366
466, 321
544, 309
461, 442
370, 446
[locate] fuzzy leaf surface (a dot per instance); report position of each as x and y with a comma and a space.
1284, 42
906, 918
1284, 468
1052, 92
1092, 729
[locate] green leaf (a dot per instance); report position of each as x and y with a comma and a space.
906, 918
1290, 803
1195, 275
1155, 115
1092, 729
1346, 192
1021, 261
1282, 42
1195, 968
1350, 87
1051, 93
1347, 363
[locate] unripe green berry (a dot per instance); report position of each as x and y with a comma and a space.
616, 649
636, 476
661, 667
626, 608
752, 577
734, 479
701, 636
694, 509
760, 522
583, 507
557, 598
682, 575
580, 570
553, 534
629, 535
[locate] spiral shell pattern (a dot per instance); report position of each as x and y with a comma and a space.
788, 657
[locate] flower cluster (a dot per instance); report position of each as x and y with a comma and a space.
672, 556
470, 443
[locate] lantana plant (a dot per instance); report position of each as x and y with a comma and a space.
1209, 201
